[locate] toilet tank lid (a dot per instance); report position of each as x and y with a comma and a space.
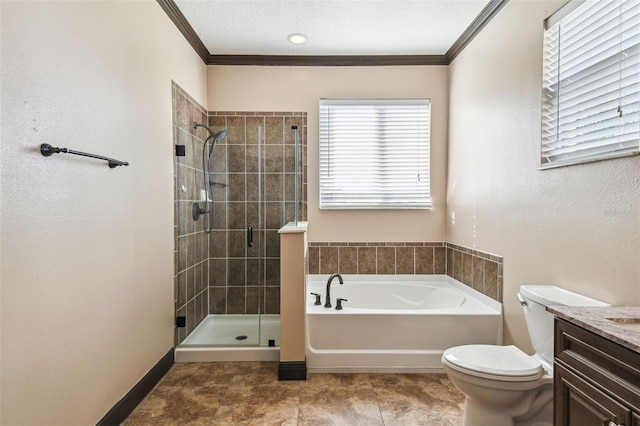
550, 295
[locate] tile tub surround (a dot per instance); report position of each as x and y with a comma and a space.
191, 247
247, 280
234, 393
479, 270
377, 258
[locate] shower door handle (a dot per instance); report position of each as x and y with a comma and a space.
250, 236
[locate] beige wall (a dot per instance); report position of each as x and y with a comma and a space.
576, 227
245, 88
86, 251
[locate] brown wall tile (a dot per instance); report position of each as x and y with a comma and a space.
272, 275
274, 188
328, 260
273, 158
386, 260
424, 260
181, 289
236, 270
449, 261
236, 211
252, 129
405, 260
237, 188
236, 158
440, 260
477, 274
217, 272
274, 130
314, 260
237, 243
236, 128
457, 265
254, 272
272, 300
236, 300
274, 214
253, 300
348, 260
466, 269
491, 279
366, 260
199, 314
218, 244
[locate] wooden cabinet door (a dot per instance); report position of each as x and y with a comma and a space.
578, 403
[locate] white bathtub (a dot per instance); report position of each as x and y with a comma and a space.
395, 323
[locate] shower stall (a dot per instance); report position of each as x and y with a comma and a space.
239, 179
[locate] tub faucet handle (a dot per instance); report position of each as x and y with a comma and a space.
339, 303
318, 302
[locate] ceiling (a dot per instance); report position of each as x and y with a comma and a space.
252, 31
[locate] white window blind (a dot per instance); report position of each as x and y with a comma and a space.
374, 154
591, 99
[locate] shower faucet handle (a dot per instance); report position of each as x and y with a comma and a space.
318, 302
339, 303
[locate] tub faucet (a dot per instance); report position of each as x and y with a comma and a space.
328, 300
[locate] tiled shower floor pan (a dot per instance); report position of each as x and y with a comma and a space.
232, 338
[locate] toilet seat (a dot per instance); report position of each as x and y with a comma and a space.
505, 363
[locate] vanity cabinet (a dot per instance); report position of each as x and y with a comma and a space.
596, 381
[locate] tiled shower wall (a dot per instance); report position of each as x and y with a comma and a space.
246, 280
191, 245
218, 273
479, 270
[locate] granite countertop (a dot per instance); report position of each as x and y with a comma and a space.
625, 330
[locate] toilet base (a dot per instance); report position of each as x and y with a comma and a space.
478, 415
489, 402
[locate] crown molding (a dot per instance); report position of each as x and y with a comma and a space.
485, 16
343, 60
174, 13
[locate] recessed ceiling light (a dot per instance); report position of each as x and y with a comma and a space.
297, 38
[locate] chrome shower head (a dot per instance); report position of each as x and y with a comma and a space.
217, 138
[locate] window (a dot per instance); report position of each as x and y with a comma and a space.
374, 154
591, 99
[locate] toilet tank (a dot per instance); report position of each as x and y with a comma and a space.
534, 300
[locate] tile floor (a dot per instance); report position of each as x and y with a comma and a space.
249, 393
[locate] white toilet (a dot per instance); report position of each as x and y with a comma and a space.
503, 386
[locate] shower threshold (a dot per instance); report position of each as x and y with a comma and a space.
232, 338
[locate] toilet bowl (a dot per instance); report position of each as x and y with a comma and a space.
501, 384
504, 386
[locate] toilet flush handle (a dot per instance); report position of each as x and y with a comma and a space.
521, 299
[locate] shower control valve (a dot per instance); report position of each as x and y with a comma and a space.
317, 302
197, 211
